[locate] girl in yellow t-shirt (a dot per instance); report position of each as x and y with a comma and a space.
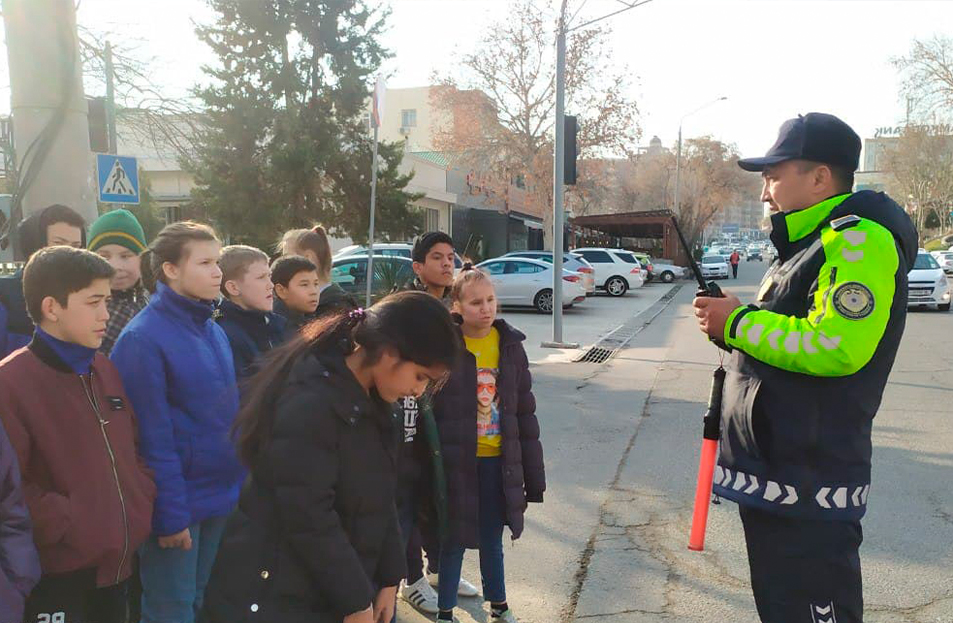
489, 435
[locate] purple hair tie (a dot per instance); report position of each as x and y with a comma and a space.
357, 314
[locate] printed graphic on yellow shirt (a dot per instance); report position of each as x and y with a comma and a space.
488, 411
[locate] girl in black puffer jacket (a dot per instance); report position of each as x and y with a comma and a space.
489, 434
315, 537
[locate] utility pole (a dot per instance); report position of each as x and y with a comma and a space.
51, 128
110, 98
559, 165
558, 186
678, 157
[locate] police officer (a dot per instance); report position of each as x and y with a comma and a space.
809, 364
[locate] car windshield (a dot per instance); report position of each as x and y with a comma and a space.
627, 257
925, 261
713, 259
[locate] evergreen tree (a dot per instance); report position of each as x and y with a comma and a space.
286, 142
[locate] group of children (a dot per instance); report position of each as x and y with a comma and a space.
179, 446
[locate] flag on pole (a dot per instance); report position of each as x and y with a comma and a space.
377, 107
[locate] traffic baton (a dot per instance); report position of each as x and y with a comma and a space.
706, 465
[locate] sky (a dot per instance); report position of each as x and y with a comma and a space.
772, 59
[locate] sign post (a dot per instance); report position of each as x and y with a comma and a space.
376, 113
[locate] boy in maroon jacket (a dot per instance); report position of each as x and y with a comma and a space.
73, 429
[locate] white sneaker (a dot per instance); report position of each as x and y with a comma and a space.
421, 596
465, 589
506, 617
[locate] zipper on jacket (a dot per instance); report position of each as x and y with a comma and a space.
91, 396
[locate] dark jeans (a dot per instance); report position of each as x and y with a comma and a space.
74, 598
804, 571
492, 520
734, 270
414, 543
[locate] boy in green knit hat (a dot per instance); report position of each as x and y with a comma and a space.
118, 238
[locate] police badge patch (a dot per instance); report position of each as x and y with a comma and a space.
854, 300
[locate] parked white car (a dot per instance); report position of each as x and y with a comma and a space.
571, 262
928, 285
387, 249
714, 267
666, 272
945, 260
524, 282
617, 270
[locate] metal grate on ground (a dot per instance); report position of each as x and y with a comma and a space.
615, 340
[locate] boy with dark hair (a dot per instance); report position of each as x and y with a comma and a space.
246, 311
421, 485
433, 257
297, 288
89, 495
55, 225
118, 238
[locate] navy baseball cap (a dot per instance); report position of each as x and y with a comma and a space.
817, 137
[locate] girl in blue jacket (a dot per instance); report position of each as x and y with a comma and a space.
176, 365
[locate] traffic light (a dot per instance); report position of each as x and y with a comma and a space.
98, 130
571, 150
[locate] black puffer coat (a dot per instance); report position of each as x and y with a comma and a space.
455, 408
316, 530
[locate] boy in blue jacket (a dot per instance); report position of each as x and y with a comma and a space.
246, 311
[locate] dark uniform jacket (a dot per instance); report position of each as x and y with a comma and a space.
811, 359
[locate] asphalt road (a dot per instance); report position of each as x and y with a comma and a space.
621, 442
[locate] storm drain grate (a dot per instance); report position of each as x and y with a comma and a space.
596, 354
611, 343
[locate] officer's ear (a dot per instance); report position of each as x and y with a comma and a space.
822, 177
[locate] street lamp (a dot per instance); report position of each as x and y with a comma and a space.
558, 153
678, 157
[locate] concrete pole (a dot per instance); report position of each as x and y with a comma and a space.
51, 129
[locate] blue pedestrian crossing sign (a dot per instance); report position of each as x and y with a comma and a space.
118, 179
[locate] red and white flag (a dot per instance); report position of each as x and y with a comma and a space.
377, 107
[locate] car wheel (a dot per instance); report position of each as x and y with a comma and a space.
616, 286
943, 308
544, 301
668, 276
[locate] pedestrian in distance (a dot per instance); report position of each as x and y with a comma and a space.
63, 405
118, 238
808, 369
19, 562
177, 367
735, 259
316, 535
422, 490
314, 245
245, 312
297, 290
489, 433
55, 225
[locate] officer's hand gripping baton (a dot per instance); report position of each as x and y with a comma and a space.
712, 432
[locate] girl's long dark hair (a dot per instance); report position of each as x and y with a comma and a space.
415, 325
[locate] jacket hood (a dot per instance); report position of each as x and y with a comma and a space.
31, 233
881, 209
